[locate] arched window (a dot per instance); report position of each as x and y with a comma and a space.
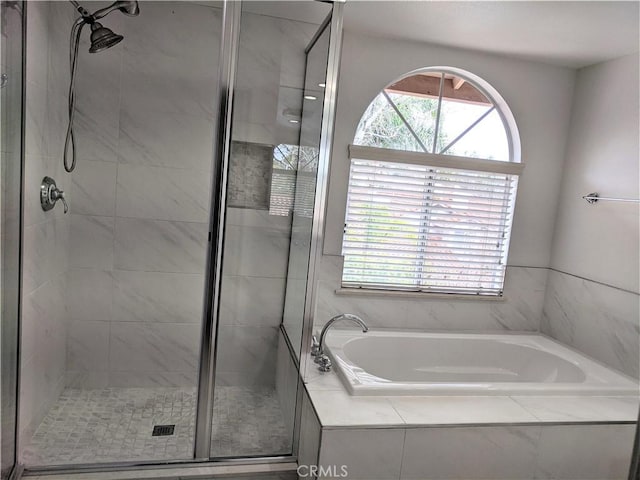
432, 187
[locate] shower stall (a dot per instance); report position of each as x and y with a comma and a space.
160, 320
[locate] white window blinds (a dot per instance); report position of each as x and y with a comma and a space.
414, 223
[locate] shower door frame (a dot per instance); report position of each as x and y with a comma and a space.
334, 22
223, 105
16, 469
322, 180
229, 44
206, 384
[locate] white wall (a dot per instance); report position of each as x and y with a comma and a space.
539, 96
592, 300
600, 242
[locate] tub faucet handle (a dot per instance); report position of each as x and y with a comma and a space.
324, 365
315, 346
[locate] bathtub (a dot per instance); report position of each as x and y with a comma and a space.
412, 363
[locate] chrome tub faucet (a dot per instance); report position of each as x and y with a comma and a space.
317, 347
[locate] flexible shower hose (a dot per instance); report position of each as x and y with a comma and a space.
70, 141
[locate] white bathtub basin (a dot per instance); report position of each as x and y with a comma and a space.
411, 363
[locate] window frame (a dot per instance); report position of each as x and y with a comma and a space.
512, 167
484, 87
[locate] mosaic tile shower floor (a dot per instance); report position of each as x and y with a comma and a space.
115, 425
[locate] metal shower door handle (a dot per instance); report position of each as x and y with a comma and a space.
50, 194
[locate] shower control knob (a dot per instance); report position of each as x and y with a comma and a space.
50, 194
324, 364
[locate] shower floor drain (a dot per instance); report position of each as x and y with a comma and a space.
163, 430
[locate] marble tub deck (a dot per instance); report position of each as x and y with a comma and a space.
445, 437
115, 425
336, 408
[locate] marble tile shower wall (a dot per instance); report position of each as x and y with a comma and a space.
139, 199
46, 234
249, 183
269, 79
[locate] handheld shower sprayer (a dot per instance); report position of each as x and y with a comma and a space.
101, 38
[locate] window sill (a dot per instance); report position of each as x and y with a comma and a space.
365, 292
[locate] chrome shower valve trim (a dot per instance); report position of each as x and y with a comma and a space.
50, 194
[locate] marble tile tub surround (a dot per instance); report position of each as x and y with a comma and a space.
489, 452
46, 234
519, 310
469, 437
600, 321
337, 409
287, 382
597, 319
310, 433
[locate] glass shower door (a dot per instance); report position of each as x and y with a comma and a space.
255, 388
11, 29
305, 191
110, 368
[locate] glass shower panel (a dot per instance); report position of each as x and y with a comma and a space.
307, 173
11, 55
253, 406
127, 323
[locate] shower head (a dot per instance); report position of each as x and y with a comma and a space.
102, 38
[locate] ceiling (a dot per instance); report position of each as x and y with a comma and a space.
573, 34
